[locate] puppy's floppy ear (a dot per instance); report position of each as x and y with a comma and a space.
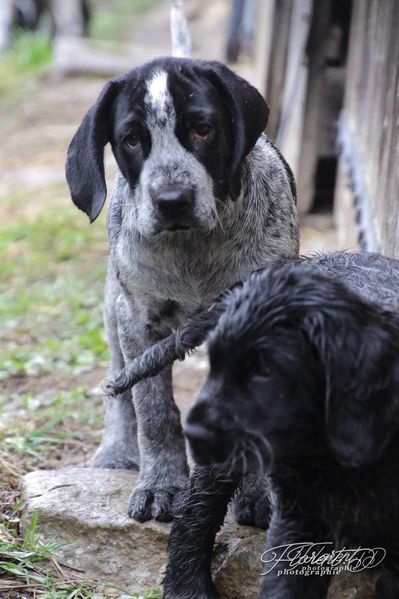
248, 112
85, 159
357, 345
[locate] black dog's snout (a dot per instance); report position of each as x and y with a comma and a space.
174, 199
196, 433
201, 420
209, 441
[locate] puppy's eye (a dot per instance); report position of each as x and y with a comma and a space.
201, 131
131, 142
261, 368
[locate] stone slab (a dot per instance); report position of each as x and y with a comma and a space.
84, 509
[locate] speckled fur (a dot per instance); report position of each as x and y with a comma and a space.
158, 278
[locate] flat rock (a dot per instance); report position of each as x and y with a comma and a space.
84, 509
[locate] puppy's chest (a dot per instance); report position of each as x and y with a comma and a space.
191, 278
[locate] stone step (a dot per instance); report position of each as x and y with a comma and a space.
84, 509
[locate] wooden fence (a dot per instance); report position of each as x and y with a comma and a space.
345, 92
367, 190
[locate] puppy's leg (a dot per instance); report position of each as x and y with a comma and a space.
165, 352
118, 448
279, 585
252, 500
163, 465
163, 460
202, 511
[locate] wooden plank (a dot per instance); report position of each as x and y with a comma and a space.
289, 134
264, 33
277, 66
371, 109
390, 137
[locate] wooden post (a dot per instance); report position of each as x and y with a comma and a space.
290, 129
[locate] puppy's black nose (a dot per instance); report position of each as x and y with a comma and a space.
196, 433
209, 442
174, 200
203, 443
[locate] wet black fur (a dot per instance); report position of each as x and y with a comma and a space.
304, 364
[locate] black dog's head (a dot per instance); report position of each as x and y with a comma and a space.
179, 130
297, 362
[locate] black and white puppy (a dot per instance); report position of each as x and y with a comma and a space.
202, 199
304, 382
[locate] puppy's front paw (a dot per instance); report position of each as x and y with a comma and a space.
252, 502
145, 504
251, 513
115, 455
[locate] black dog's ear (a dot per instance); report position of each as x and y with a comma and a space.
248, 113
85, 160
358, 350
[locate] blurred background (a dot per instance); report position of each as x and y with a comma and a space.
329, 71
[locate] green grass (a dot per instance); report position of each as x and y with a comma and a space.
52, 269
52, 265
114, 20
29, 566
49, 423
28, 54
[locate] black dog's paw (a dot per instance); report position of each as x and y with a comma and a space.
252, 513
252, 502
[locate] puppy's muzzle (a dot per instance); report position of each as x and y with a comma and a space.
210, 443
174, 206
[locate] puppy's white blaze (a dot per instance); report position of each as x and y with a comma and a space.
158, 89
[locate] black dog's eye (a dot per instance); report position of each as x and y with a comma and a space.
262, 376
201, 131
260, 368
131, 142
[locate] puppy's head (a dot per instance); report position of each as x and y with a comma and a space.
297, 362
179, 130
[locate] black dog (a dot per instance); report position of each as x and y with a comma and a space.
305, 380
